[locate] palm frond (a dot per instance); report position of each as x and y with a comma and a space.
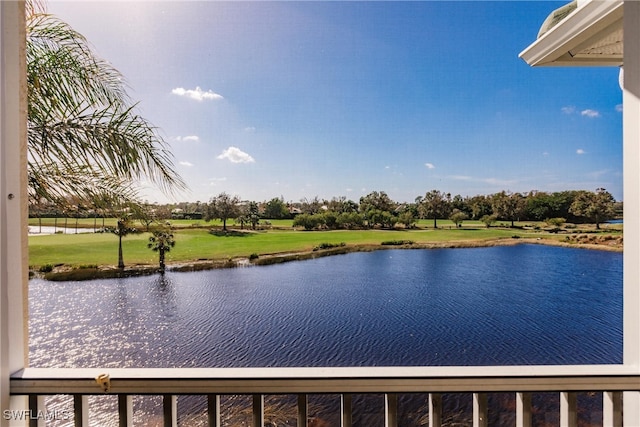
81, 121
59, 185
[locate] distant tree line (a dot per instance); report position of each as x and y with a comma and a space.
375, 210
378, 210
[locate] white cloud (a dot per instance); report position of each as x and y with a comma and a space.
580, 151
592, 114
429, 165
461, 177
186, 164
619, 108
197, 94
546, 153
236, 155
189, 138
250, 129
570, 109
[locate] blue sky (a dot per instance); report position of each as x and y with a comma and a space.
305, 99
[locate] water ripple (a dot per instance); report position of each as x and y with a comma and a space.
504, 305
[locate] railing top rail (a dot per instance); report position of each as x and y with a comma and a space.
327, 380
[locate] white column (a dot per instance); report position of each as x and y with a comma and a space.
631, 143
13, 207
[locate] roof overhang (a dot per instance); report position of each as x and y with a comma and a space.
590, 35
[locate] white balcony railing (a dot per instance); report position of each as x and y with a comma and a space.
125, 383
612, 380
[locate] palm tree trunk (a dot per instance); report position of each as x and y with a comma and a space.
120, 258
162, 266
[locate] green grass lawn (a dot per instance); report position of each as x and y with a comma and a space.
197, 243
194, 242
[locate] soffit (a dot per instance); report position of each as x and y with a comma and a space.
588, 33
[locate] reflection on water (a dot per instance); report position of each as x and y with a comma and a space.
35, 230
523, 305
527, 304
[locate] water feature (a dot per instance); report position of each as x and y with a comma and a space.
35, 230
528, 304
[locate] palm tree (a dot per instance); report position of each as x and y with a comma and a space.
161, 241
122, 229
84, 135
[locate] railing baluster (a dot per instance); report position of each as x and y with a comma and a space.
36, 403
213, 410
170, 410
33, 408
568, 409
303, 410
81, 410
346, 407
523, 409
435, 409
479, 410
611, 409
258, 410
125, 410
391, 409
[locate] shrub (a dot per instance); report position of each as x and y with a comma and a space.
309, 222
253, 256
350, 220
330, 220
555, 222
87, 266
397, 242
47, 268
329, 246
488, 220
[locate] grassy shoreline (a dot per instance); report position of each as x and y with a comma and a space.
94, 255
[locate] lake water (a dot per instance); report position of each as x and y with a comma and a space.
525, 304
